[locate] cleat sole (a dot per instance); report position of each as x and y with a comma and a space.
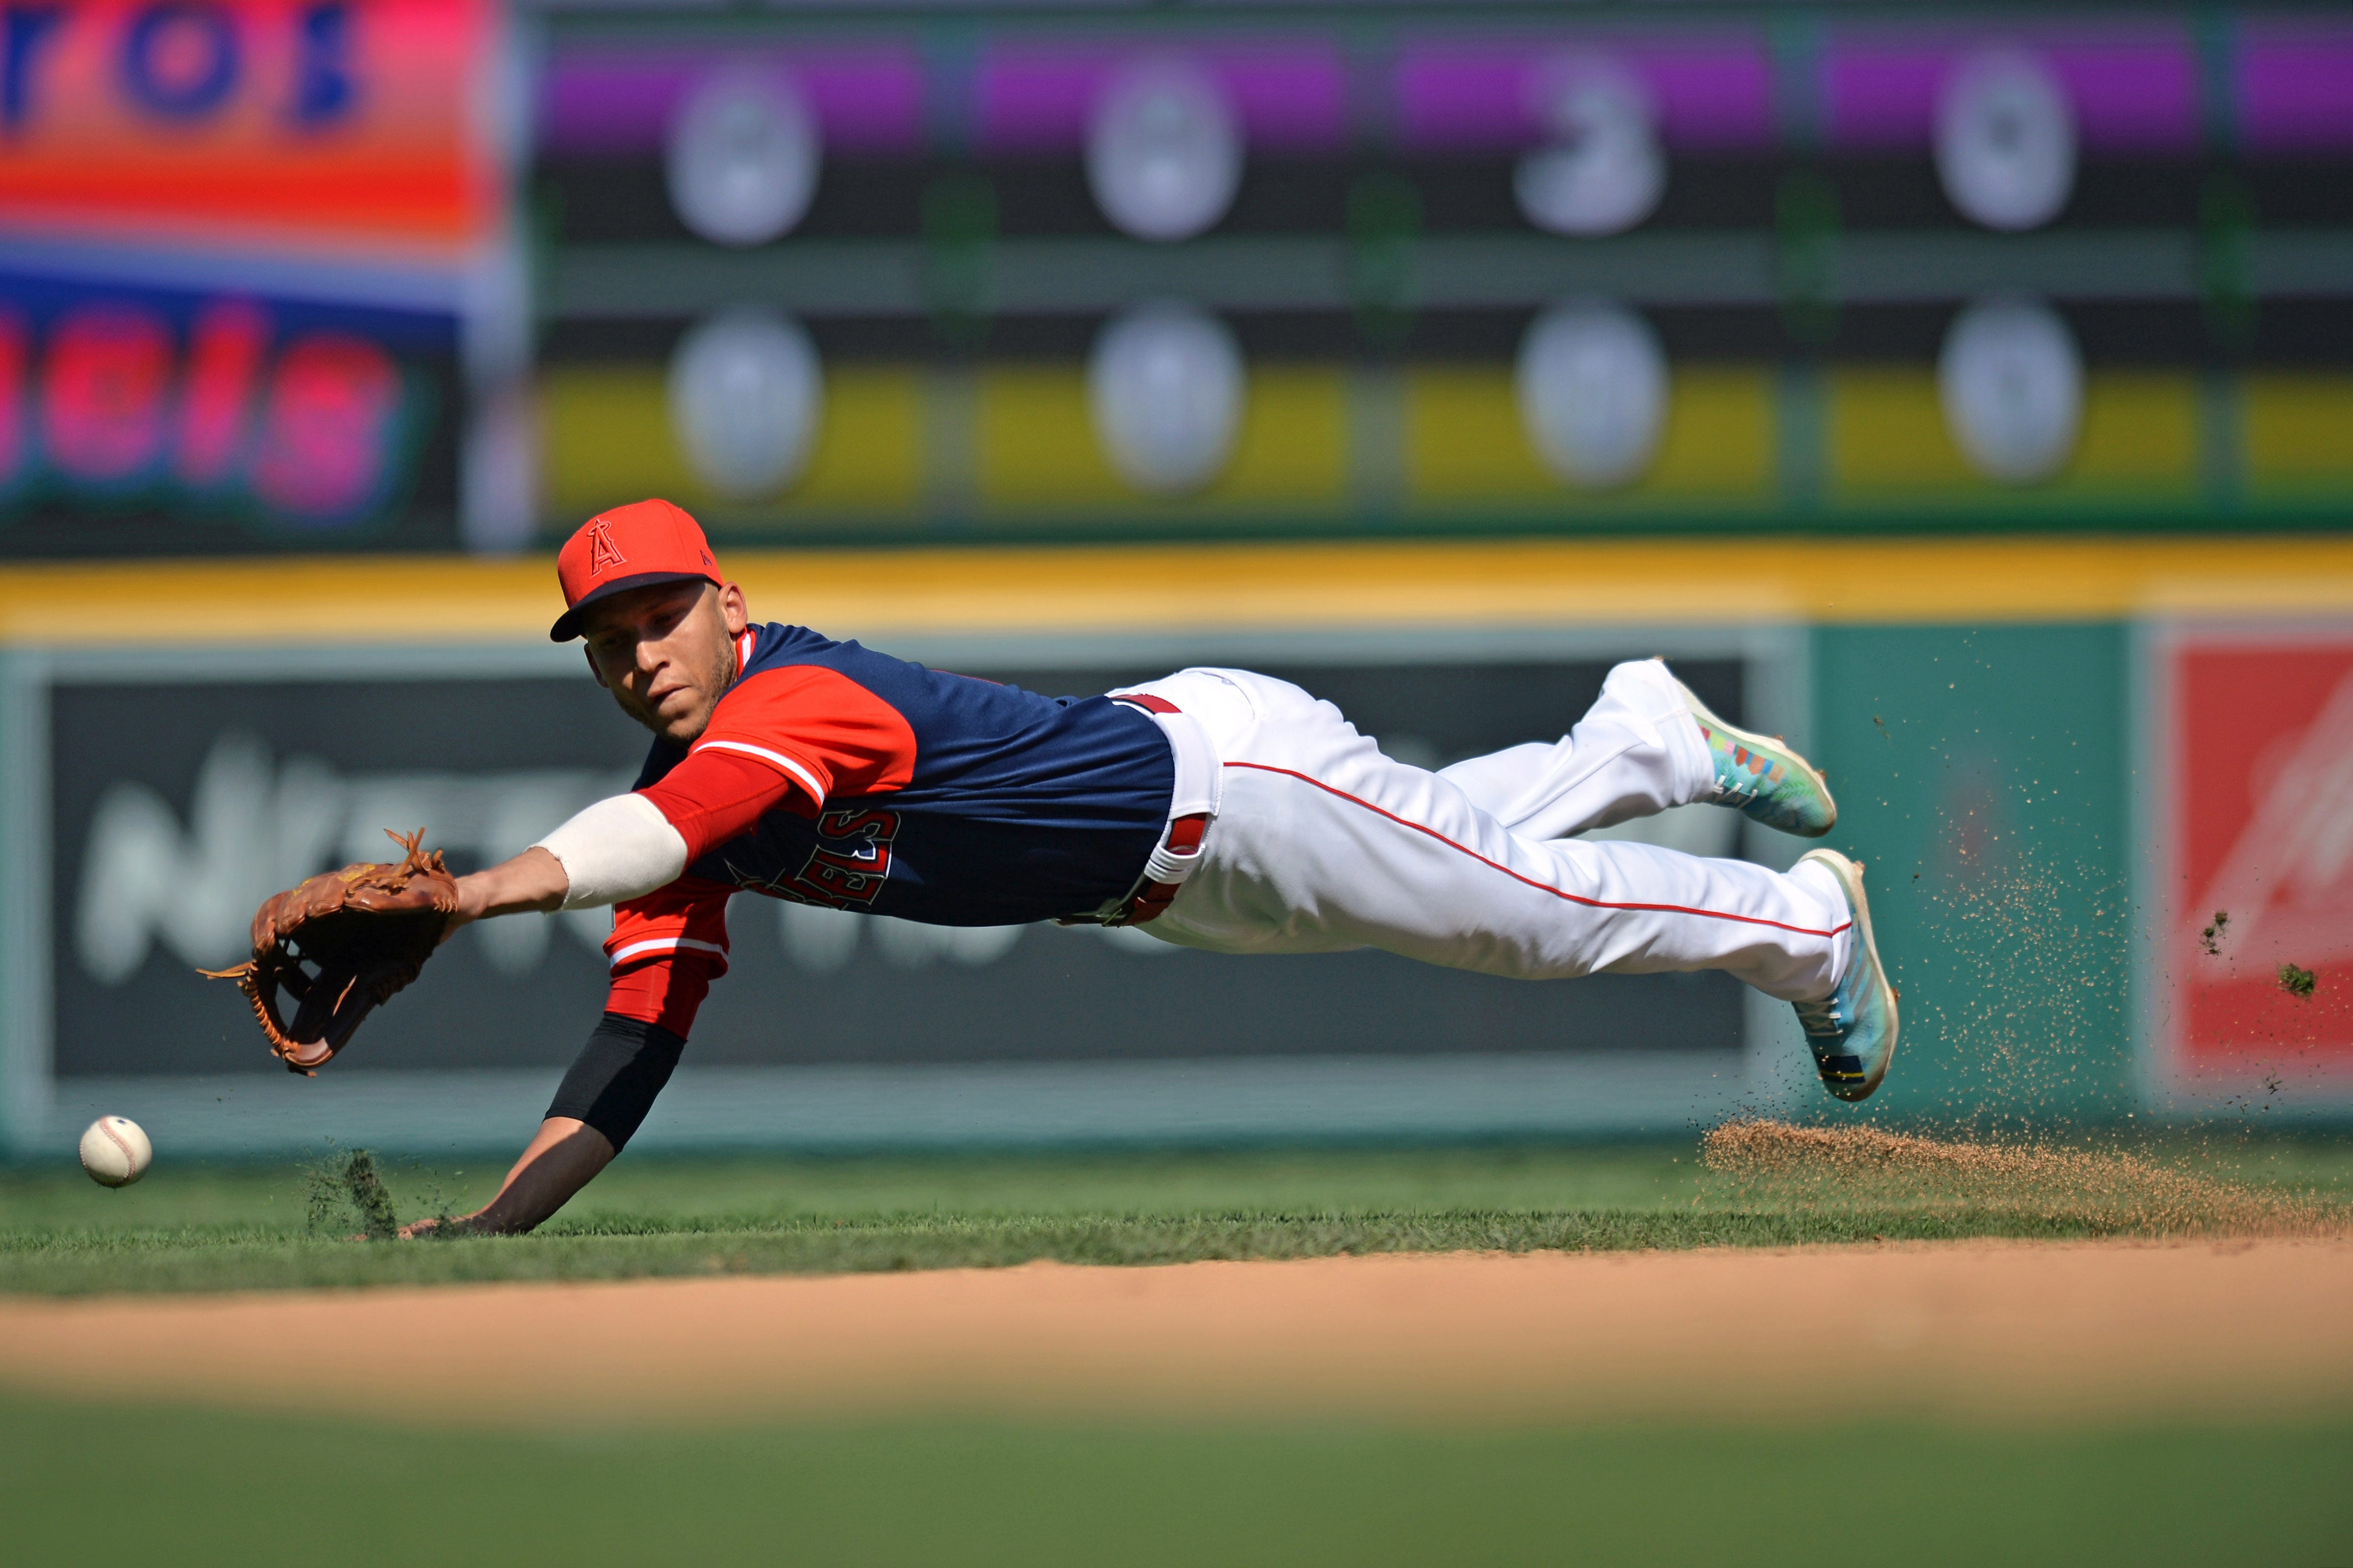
1860, 1086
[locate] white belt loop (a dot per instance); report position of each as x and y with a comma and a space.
1195, 794
1200, 774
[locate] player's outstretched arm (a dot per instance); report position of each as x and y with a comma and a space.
619, 848
534, 881
597, 1108
566, 1155
628, 1059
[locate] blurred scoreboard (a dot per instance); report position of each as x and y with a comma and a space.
1242, 270
431, 274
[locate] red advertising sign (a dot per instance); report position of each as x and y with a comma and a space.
352, 124
2253, 900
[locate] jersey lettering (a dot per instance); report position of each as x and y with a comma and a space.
847, 867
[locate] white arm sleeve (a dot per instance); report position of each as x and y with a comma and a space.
618, 848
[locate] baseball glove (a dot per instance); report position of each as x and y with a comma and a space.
365, 932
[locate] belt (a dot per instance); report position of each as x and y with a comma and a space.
1179, 849
1180, 846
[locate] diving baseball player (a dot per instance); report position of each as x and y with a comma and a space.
1215, 809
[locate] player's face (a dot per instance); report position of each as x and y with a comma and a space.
667, 653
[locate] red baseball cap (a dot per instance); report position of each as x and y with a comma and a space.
632, 546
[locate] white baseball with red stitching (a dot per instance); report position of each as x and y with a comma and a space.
115, 1152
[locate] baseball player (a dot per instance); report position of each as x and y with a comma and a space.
1215, 809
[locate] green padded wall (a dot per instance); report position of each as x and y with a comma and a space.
1982, 774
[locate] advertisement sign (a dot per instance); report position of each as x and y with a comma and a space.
244, 247
2253, 912
174, 420
335, 126
183, 789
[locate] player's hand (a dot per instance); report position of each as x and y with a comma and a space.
416, 1230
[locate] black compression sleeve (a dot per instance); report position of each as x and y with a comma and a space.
613, 1083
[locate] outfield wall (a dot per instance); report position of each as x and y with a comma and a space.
2050, 754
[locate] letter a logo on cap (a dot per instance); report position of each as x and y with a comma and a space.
639, 545
603, 553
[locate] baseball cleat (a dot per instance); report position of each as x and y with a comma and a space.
1761, 776
1851, 1031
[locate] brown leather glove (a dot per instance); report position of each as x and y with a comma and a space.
366, 930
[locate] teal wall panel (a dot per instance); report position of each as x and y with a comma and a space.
1982, 775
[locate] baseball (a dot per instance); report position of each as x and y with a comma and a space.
115, 1152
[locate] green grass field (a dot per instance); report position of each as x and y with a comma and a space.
194, 1488
197, 1487
223, 1228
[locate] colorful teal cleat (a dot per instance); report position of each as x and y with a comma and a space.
1762, 775
1851, 1031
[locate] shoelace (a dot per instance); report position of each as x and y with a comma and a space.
1720, 750
1821, 1017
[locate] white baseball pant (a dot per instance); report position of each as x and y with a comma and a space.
1323, 844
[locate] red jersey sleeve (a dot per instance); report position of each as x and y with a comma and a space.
816, 727
666, 949
712, 797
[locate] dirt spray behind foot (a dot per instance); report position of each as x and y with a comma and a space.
2099, 1192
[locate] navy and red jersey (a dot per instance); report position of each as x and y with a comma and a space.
833, 775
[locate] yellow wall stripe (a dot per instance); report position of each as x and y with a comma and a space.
2299, 431
1293, 447
1037, 451
1190, 588
901, 441
1037, 442
607, 438
1888, 442
1465, 442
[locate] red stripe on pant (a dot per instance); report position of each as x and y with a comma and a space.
1530, 881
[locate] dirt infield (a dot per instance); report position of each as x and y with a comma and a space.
2027, 1331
